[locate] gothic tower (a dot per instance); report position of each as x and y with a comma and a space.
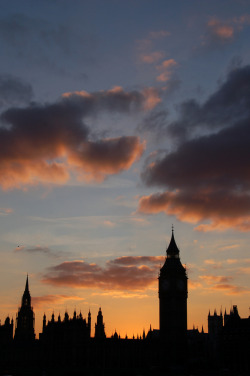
25, 319
173, 302
99, 326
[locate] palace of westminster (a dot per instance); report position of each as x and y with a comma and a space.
67, 345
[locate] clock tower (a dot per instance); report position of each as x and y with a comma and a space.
173, 303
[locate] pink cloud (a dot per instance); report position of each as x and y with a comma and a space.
152, 57
166, 68
41, 301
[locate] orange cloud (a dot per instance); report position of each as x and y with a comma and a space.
245, 270
165, 67
47, 144
222, 283
195, 208
5, 211
223, 31
129, 273
152, 57
211, 279
151, 98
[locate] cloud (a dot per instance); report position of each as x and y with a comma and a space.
13, 91
229, 104
122, 294
245, 270
138, 260
135, 273
166, 70
153, 36
98, 159
47, 143
222, 283
229, 289
37, 250
50, 300
154, 123
211, 279
220, 32
152, 57
206, 179
5, 211
226, 247
147, 55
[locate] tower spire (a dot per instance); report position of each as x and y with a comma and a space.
172, 250
27, 283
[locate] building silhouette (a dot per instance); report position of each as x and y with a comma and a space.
66, 346
25, 318
99, 326
173, 292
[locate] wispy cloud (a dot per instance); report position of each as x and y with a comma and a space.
37, 250
152, 57
166, 70
147, 54
220, 32
5, 211
222, 283
51, 300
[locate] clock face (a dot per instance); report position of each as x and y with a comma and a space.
180, 285
165, 285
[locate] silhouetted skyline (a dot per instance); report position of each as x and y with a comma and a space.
117, 120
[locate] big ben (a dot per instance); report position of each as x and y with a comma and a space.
173, 293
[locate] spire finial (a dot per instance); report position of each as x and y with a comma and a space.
172, 250
27, 283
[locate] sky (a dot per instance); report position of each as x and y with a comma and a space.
119, 119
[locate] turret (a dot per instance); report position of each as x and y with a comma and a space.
44, 322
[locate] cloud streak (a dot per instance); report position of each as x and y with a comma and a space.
50, 300
135, 273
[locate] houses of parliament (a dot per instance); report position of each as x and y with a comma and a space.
68, 346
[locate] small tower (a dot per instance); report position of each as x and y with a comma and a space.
25, 319
173, 293
89, 323
44, 322
99, 326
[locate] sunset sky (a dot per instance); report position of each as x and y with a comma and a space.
117, 120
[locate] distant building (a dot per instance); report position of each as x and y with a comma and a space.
25, 319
